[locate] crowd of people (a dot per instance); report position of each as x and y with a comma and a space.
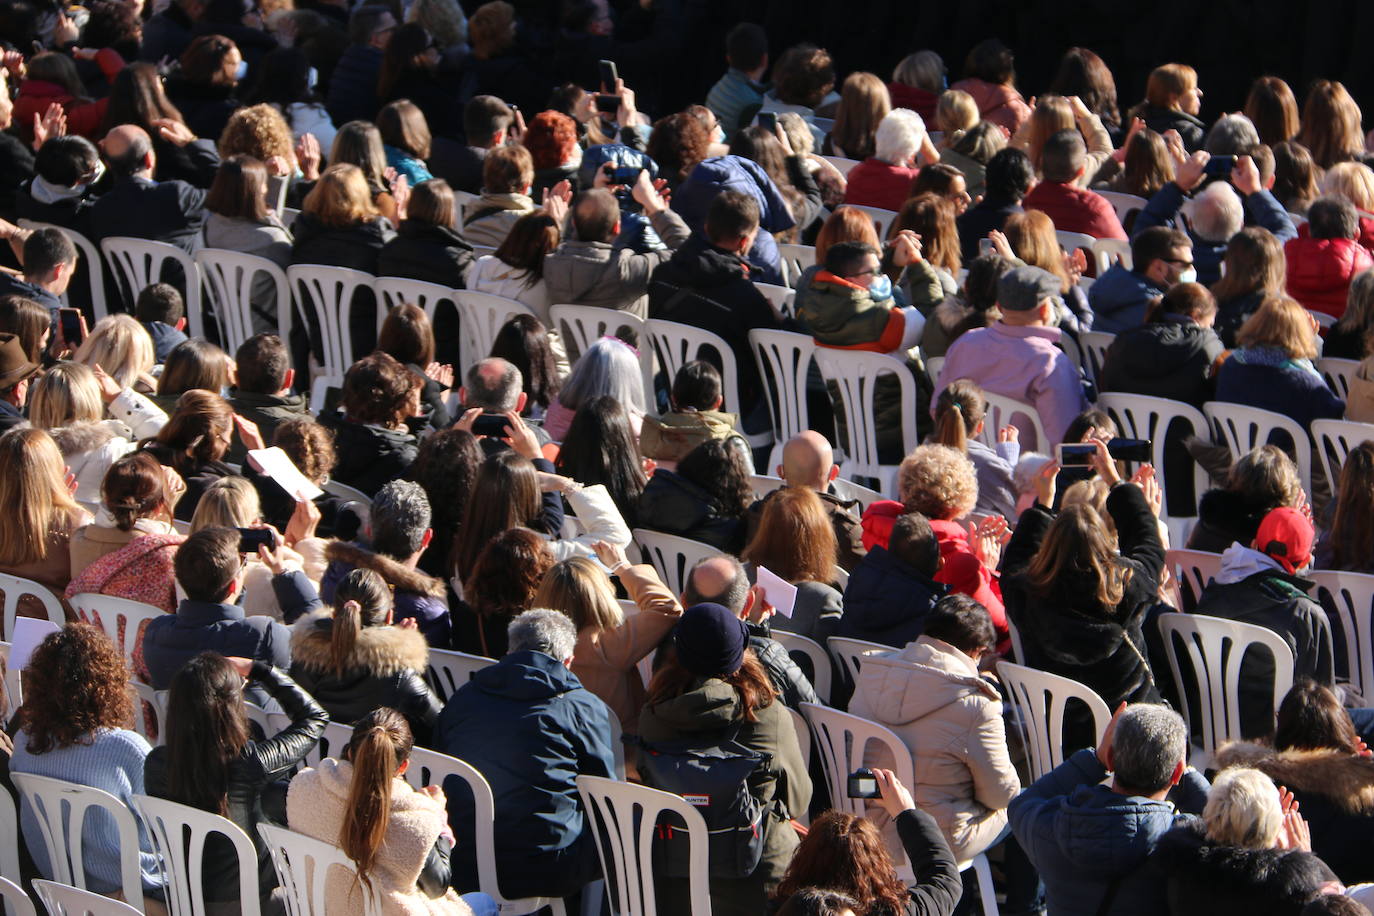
485, 503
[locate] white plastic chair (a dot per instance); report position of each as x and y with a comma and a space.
303, 865
1335, 439
449, 670
331, 744
139, 262
16, 587
1106, 252
1124, 204
481, 316
394, 291
60, 808
229, 277
1003, 410
9, 850
1348, 598
1215, 648
842, 165
580, 326
848, 651
842, 739
780, 297
676, 344
121, 619
849, 490
1042, 698
763, 484
327, 293
1070, 241
1338, 373
625, 818
797, 644
933, 366
179, 833
1193, 569
783, 358
882, 219
1142, 417
855, 375
157, 701
672, 555
90, 255
17, 903
61, 899
1244, 428
795, 260
1093, 346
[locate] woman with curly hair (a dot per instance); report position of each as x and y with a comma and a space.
262, 132
678, 143
75, 726
446, 467
551, 138
374, 443
502, 584
704, 499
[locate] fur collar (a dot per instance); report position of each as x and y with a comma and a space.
80, 438
950, 312
399, 576
381, 651
1347, 780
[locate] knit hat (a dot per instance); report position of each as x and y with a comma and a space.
710, 640
1023, 288
1286, 536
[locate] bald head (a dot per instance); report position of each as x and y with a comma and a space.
808, 461
720, 580
129, 151
596, 216
494, 385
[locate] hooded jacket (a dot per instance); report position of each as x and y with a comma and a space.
674, 505
1208, 879
530, 727
386, 667
420, 251
370, 456
998, 103
886, 601
1086, 840
709, 711
417, 595
1119, 299
600, 273
844, 315
672, 436
1164, 359
1320, 271
88, 450
734, 173
930, 694
1251, 587
1265, 377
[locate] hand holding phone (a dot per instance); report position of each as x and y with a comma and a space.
863, 784
768, 120
250, 539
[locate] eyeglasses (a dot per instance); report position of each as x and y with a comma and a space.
1179, 261
872, 271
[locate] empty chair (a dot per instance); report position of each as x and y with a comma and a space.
784, 358
137, 263
855, 377
180, 834
1243, 428
61, 899
672, 556
326, 294
449, 670
1042, 699
231, 278
304, 866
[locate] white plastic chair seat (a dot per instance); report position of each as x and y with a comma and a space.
121, 619
1093, 346
1108, 251
784, 358
1192, 569
179, 833
140, 262
1348, 599
303, 866
326, 293
797, 644
481, 316
449, 670
855, 376
90, 257
1335, 439
675, 344
882, 219
155, 700
672, 555
1244, 428
17, 903
1042, 699
61, 899
17, 587
229, 279
1004, 410
848, 652
1338, 373
795, 260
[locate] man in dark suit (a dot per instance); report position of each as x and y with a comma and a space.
487, 121
138, 206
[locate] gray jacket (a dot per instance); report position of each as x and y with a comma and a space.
598, 273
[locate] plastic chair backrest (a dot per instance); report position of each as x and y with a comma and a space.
480, 317
672, 555
122, 620
1244, 428
780, 297
16, 587
1338, 373
1003, 410
625, 816
155, 700
179, 833
331, 744
1214, 648
855, 375
17, 903
449, 670
1335, 439
136, 263
763, 484
675, 345
1070, 241
882, 219
303, 864
90, 255
795, 260
394, 291
229, 278
14, 692
1093, 345
848, 651
1106, 252
60, 808
1042, 698
1139, 416
580, 326
849, 490
1192, 569
784, 358
327, 293
816, 656
61, 899
1124, 204
1348, 598
842, 165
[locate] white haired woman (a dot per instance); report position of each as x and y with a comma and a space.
609, 367
900, 145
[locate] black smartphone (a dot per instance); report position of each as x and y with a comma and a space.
624, 175
1219, 165
607, 104
1131, 449
1076, 454
609, 75
71, 326
863, 784
490, 424
768, 120
250, 539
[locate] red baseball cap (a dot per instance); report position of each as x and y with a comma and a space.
1286, 535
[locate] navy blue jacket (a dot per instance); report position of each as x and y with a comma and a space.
733, 173
1081, 837
1264, 377
887, 601
353, 85
1261, 209
530, 727
165, 338
163, 211
1119, 298
977, 221
15, 286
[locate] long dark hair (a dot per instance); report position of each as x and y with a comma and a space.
206, 731
381, 742
1352, 529
524, 342
718, 468
405, 54
600, 448
137, 97
446, 466
1310, 718
532, 237
283, 78
505, 495
752, 686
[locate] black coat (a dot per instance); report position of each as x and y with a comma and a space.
358, 247
1192, 130
977, 221
386, 668
1225, 517
204, 108
788, 679
197, 474
370, 456
249, 796
420, 251
1205, 879
674, 505
16, 167
1233, 313
353, 85
887, 601
163, 211
1164, 359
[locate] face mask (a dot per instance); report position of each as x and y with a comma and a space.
880, 288
312, 77
241, 71
1188, 276
719, 135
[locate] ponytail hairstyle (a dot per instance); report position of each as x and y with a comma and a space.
381, 743
361, 600
958, 411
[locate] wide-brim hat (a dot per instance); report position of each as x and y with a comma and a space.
15, 365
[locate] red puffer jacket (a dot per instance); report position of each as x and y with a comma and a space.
84, 116
1320, 271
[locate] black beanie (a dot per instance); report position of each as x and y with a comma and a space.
710, 640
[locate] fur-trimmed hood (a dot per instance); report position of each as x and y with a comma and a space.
1345, 779
380, 651
80, 438
399, 576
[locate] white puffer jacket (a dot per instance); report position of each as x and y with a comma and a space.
90, 448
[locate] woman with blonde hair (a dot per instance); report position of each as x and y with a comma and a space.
1172, 102
1354, 181
93, 421
1255, 270
121, 346
864, 102
960, 412
42, 513
1330, 127
795, 539
610, 645
1273, 110
955, 113
1054, 113
339, 224
1264, 478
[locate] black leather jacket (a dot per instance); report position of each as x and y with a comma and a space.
251, 794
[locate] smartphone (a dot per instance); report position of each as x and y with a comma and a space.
1131, 449
607, 104
490, 424
863, 784
624, 175
1076, 454
1219, 165
986, 246
250, 539
71, 326
768, 120
609, 75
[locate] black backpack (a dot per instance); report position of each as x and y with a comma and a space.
714, 779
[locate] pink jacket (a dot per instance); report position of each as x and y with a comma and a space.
997, 103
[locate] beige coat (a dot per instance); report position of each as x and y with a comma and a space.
951, 719
55, 569
1359, 406
315, 804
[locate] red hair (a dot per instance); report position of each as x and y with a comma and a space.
550, 137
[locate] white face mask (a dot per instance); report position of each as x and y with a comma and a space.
312, 77
719, 135
1188, 276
